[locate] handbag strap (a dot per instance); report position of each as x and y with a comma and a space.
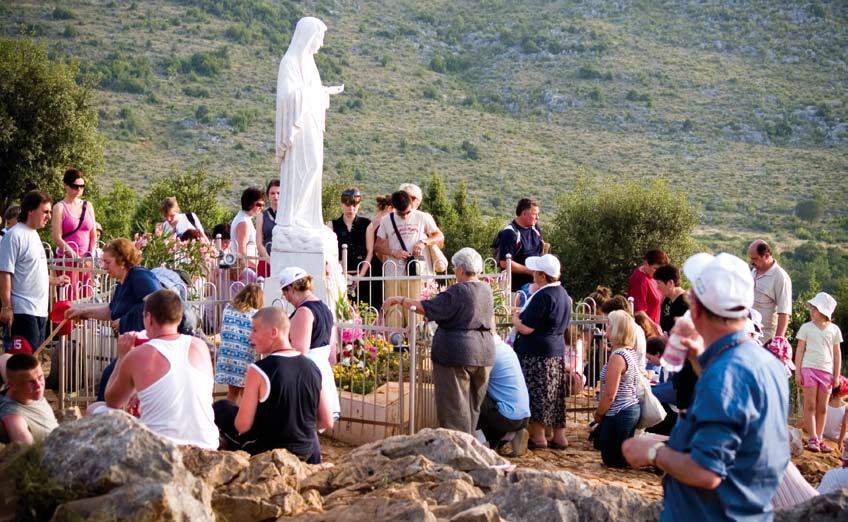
81, 219
397, 232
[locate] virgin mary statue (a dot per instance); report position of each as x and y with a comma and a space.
301, 106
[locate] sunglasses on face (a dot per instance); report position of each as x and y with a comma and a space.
78, 187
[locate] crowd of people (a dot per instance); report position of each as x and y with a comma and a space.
721, 438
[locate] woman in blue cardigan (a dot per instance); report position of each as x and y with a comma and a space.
126, 309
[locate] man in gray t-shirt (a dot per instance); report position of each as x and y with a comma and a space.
772, 290
24, 277
25, 415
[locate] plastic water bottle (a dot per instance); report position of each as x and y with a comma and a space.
675, 353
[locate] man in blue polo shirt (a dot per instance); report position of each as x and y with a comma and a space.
726, 455
521, 239
506, 406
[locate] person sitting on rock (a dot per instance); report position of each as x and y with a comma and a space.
25, 415
170, 372
505, 411
283, 404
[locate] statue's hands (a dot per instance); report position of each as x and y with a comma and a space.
281, 152
336, 89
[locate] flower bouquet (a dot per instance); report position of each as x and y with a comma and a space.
365, 364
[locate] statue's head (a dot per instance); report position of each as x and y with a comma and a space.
308, 35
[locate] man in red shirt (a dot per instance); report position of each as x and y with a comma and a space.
643, 289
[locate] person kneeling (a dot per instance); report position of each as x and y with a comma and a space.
505, 412
283, 405
170, 372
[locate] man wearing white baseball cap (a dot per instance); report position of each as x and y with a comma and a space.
726, 455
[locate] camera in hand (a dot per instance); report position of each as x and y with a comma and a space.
227, 260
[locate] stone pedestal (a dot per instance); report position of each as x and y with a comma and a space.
312, 249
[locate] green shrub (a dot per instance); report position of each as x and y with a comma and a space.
70, 31
134, 123
209, 64
63, 13
587, 72
196, 92
810, 209
202, 114
601, 232
114, 209
121, 73
241, 119
196, 191
471, 150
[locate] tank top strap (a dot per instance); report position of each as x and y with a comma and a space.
175, 350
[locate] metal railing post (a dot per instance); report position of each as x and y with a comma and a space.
413, 371
63, 358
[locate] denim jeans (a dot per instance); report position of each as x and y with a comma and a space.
613, 431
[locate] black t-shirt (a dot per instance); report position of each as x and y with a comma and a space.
529, 244
354, 238
672, 310
548, 313
288, 416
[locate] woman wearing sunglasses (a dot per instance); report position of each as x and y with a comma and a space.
73, 228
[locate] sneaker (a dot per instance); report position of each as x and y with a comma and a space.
519, 443
813, 445
824, 448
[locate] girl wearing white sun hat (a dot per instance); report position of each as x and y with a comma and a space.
818, 361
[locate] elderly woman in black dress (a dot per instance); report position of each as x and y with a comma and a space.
540, 347
463, 347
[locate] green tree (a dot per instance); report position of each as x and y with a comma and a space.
810, 209
113, 210
436, 201
196, 191
459, 219
47, 121
601, 233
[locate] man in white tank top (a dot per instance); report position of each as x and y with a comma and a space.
171, 373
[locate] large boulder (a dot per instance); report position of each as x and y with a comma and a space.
268, 486
145, 501
831, 507
97, 454
374, 509
455, 477
216, 468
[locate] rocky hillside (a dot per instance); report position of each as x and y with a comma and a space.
741, 104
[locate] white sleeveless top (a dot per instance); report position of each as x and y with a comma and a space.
242, 216
179, 405
833, 422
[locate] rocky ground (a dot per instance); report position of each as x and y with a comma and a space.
111, 468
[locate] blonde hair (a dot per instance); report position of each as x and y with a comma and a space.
622, 331
304, 284
251, 297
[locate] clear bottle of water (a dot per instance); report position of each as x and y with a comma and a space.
675, 353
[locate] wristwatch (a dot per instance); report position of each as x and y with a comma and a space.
652, 453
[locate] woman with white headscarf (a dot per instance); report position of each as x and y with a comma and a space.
301, 106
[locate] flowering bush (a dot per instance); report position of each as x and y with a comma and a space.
367, 363
166, 250
429, 289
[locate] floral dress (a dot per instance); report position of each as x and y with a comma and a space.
236, 352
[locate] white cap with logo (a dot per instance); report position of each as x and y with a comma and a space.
290, 274
547, 263
722, 283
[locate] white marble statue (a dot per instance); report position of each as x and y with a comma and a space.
302, 103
